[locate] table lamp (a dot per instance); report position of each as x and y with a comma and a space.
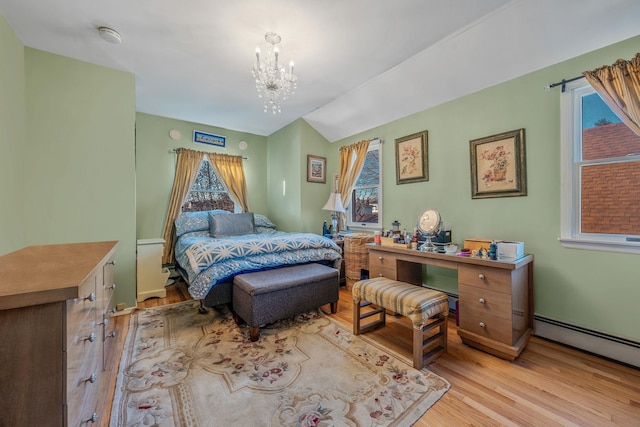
334, 204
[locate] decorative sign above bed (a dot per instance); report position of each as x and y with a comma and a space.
209, 138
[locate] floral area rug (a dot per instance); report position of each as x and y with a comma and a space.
181, 368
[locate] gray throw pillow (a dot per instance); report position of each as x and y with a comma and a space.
231, 225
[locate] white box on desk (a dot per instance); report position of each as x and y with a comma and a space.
510, 250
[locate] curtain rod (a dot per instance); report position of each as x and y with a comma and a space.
372, 139
563, 82
175, 150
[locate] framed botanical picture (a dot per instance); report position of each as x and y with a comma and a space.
498, 167
316, 169
412, 159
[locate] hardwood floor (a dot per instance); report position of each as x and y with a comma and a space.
548, 385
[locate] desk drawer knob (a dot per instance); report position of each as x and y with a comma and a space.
380, 258
481, 301
482, 325
91, 337
380, 275
92, 379
481, 276
93, 419
91, 297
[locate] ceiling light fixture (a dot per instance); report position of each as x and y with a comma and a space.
110, 35
273, 82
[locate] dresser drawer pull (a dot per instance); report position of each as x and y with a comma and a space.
481, 300
93, 419
112, 286
91, 297
111, 335
91, 337
481, 276
92, 379
482, 325
380, 258
111, 262
105, 322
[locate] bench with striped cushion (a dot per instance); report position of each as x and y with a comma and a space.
427, 309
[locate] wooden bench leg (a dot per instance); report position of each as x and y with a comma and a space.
429, 348
359, 315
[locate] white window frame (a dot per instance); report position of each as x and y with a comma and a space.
374, 144
570, 166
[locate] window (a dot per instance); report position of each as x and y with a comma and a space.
365, 209
600, 175
208, 192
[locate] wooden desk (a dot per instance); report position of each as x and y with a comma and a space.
495, 297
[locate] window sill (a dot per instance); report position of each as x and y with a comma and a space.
622, 247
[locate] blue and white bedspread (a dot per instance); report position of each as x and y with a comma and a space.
209, 261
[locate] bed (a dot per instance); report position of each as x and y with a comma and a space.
214, 246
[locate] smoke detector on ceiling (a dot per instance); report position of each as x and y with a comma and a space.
110, 35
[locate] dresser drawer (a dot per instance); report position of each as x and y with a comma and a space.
485, 277
81, 309
84, 367
485, 301
486, 325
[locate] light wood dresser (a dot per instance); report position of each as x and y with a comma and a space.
55, 333
495, 297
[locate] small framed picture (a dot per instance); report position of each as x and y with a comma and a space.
412, 158
498, 167
316, 169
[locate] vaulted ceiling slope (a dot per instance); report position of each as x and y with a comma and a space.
360, 63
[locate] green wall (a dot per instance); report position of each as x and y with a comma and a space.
12, 139
155, 166
300, 207
79, 171
593, 289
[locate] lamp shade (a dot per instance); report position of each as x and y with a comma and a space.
334, 203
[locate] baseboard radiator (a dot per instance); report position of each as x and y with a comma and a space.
609, 346
605, 345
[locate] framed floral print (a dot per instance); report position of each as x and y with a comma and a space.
498, 167
316, 169
412, 157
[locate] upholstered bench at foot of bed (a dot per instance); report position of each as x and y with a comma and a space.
266, 296
427, 309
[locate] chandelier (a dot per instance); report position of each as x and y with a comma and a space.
273, 82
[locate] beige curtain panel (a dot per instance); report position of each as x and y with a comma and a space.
351, 161
230, 170
619, 87
187, 167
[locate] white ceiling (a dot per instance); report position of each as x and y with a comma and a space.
360, 63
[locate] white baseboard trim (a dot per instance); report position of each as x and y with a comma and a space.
609, 346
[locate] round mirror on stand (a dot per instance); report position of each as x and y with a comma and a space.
428, 225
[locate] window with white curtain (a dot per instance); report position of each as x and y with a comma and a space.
600, 172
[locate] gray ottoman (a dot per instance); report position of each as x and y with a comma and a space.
266, 296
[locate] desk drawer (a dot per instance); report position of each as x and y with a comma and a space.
485, 277
486, 325
382, 265
485, 301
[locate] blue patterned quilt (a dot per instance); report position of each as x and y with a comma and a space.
209, 261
